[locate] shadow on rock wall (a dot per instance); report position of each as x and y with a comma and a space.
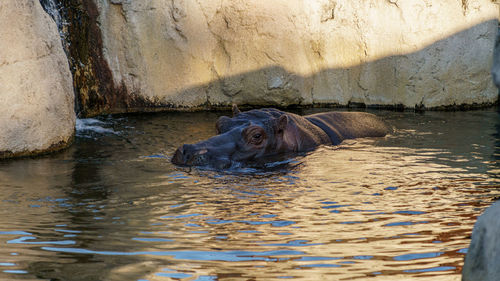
425, 79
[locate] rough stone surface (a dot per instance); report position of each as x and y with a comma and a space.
36, 95
191, 53
482, 262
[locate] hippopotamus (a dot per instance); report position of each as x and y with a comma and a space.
258, 133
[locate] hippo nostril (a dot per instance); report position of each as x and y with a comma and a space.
190, 155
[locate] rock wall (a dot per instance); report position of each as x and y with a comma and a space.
198, 54
482, 262
36, 93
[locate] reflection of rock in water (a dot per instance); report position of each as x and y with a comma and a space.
89, 213
29, 199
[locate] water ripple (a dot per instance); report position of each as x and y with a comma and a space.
112, 207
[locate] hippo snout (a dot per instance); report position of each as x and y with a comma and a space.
193, 155
189, 155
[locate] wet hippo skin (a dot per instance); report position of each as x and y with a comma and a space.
258, 133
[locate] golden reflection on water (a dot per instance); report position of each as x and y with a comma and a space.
395, 208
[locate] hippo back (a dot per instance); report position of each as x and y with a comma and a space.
348, 125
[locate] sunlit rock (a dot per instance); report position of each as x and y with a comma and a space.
483, 257
158, 54
36, 94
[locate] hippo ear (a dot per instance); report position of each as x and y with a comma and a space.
282, 122
236, 110
222, 124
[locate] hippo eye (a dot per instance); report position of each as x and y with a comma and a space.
254, 135
256, 138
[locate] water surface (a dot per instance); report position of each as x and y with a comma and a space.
112, 207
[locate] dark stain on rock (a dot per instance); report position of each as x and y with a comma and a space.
95, 90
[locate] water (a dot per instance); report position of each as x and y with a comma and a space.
53, 9
112, 207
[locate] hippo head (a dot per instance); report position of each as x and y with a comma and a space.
245, 137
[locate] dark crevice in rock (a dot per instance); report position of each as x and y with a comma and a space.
95, 90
